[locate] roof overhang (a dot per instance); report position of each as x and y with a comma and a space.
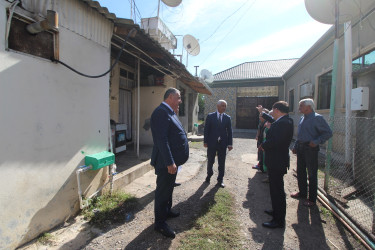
258, 82
150, 52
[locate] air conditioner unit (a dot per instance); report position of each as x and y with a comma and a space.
157, 29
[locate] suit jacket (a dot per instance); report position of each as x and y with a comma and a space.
213, 129
170, 140
276, 146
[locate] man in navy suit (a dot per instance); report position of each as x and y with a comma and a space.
217, 138
171, 149
276, 148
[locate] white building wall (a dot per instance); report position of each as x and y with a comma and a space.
51, 118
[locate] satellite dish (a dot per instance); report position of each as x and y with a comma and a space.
206, 76
324, 10
172, 3
191, 45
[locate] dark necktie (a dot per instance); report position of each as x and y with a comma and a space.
220, 118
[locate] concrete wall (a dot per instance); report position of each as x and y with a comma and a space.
319, 61
151, 97
229, 95
51, 118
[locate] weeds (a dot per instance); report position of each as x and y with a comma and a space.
114, 208
45, 238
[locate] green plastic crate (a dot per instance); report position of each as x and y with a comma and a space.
100, 160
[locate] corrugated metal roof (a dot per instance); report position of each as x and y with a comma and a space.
102, 10
161, 58
256, 70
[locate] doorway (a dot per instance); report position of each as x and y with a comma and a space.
246, 112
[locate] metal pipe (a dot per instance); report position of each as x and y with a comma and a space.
127, 51
158, 65
348, 90
139, 103
12, 7
347, 223
81, 170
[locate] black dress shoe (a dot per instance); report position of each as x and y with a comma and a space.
273, 224
177, 184
221, 184
269, 212
173, 214
165, 230
207, 180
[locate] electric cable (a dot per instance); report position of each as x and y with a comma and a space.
131, 33
229, 32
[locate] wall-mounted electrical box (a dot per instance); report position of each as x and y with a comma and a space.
360, 98
100, 160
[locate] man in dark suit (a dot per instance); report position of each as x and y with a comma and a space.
277, 159
217, 138
171, 149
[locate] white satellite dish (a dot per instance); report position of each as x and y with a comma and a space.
206, 76
191, 45
172, 3
324, 10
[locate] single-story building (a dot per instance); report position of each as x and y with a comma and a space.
246, 86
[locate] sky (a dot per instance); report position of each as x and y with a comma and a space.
231, 32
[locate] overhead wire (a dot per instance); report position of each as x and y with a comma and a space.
230, 31
226, 20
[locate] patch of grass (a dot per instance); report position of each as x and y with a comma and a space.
325, 212
45, 238
217, 228
114, 208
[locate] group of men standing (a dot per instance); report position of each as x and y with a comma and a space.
171, 150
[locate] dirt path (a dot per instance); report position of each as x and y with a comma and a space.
305, 228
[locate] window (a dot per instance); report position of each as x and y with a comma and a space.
41, 44
126, 79
291, 100
324, 90
363, 61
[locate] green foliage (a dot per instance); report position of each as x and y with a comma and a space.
108, 207
45, 238
216, 228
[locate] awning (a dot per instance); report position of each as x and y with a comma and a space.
153, 54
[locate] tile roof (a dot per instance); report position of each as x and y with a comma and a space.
256, 70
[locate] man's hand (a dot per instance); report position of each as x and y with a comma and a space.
230, 148
172, 169
313, 145
205, 145
294, 151
260, 108
260, 148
